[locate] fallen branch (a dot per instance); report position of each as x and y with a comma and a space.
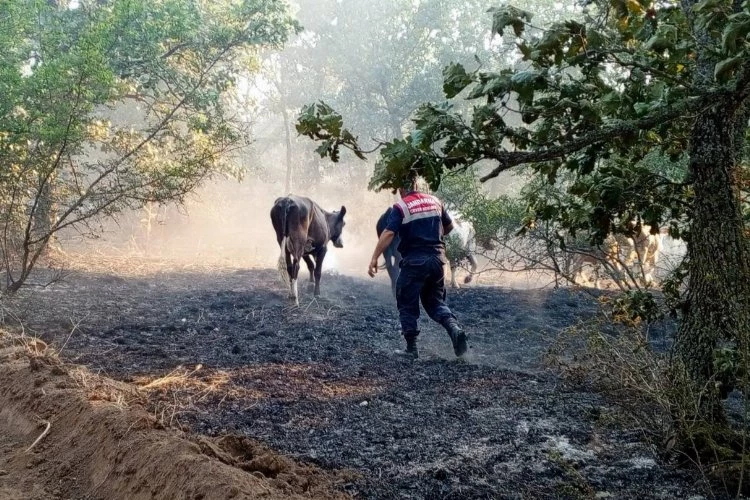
49, 425
75, 327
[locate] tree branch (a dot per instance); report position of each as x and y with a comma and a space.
174, 49
616, 128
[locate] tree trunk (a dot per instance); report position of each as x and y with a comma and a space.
393, 118
288, 144
718, 304
45, 215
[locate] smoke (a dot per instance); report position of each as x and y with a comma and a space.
228, 223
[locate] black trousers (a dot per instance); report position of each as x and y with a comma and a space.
421, 278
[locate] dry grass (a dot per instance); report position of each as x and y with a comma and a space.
289, 381
20, 342
178, 392
623, 367
131, 265
15, 345
652, 398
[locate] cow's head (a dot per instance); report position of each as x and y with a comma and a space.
336, 227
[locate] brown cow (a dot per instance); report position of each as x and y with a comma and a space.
303, 231
391, 254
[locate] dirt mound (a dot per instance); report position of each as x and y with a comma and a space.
68, 433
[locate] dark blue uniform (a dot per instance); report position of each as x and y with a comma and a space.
418, 219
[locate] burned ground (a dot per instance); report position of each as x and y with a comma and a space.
219, 351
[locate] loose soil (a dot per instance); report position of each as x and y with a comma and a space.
67, 433
177, 382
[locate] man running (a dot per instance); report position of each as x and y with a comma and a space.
421, 221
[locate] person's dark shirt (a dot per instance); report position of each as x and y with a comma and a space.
418, 219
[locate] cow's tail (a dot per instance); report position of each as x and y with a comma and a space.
281, 266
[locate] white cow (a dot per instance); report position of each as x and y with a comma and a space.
461, 247
645, 248
620, 252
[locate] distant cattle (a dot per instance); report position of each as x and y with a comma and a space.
391, 254
303, 231
645, 249
461, 246
621, 254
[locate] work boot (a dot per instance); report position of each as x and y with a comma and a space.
411, 348
457, 335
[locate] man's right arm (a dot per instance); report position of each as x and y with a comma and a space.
386, 237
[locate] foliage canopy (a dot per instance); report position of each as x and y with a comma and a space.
639, 112
107, 105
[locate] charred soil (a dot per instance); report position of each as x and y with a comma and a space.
218, 362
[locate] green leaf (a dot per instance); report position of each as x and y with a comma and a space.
704, 5
455, 79
417, 137
324, 149
505, 16
525, 49
724, 69
525, 83
658, 43
736, 29
664, 38
611, 101
528, 77
641, 108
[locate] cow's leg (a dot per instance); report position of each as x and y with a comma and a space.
650, 269
473, 264
295, 292
319, 256
293, 273
578, 277
613, 247
581, 278
392, 273
290, 271
394, 281
655, 247
391, 265
597, 275
643, 259
310, 267
574, 268
653, 256
453, 266
396, 271
650, 253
